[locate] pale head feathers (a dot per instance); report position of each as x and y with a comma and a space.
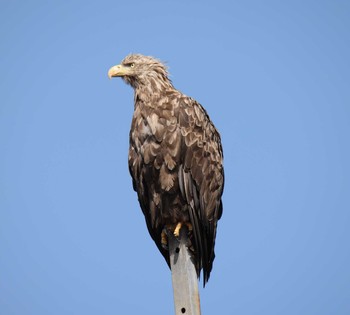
146, 72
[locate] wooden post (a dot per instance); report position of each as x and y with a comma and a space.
184, 275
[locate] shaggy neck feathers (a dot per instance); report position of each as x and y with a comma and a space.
150, 82
149, 85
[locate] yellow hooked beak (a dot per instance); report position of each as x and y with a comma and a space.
117, 71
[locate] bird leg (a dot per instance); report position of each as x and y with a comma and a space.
178, 228
175, 229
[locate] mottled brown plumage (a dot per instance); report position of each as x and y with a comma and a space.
175, 159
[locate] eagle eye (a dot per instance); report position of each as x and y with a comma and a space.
129, 65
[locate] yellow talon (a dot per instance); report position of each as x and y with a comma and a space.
177, 229
179, 226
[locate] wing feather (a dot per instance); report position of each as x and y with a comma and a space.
201, 179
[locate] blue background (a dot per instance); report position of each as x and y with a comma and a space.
274, 77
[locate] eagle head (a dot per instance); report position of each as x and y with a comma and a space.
137, 69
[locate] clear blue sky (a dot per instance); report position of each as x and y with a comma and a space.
274, 77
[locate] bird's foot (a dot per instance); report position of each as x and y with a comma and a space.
175, 230
178, 228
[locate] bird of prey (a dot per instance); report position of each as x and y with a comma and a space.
175, 160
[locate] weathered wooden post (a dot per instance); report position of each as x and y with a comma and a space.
184, 275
